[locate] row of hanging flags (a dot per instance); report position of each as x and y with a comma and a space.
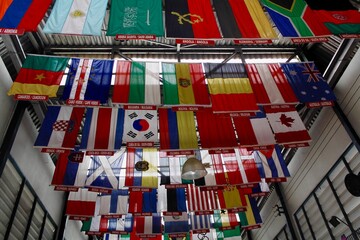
184, 19
112, 194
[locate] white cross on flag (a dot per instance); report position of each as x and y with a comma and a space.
140, 126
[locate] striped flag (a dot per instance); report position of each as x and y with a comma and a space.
184, 84
115, 203
103, 129
137, 83
148, 224
76, 17
230, 197
198, 222
247, 166
143, 201
209, 179
81, 203
88, 79
211, 235
177, 129
251, 217
123, 224
229, 234
270, 84
60, 127
140, 126
224, 219
174, 165
141, 167
176, 224
171, 199
200, 200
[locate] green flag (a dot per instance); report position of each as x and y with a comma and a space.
136, 17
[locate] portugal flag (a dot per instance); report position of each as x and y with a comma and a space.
39, 75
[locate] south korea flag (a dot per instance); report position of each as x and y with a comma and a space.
140, 126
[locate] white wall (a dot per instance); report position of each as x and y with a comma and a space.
309, 165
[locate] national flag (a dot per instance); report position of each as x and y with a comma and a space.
123, 224
109, 236
287, 125
295, 18
140, 126
68, 173
200, 200
211, 235
243, 19
260, 189
229, 234
340, 17
230, 88
115, 203
176, 224
251, 217
103, 129
224, 219
198, 222
177, 129
22, 15
184, 84
39, 75
230, 197
271, 164
96, 224
209, 179
307, 82
76, 17
141, 168
136, 17
137, 83
88, 79
247, 166
81, 203
173, 168
190, 19
148, 224
60, 127
254, 131
186, 236
171, 199
104, 171
215, 131
270, 84
143, 201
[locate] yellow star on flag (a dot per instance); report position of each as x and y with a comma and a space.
40, 77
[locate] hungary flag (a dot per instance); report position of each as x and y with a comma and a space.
39, 75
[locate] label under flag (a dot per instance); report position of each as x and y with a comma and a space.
140, 126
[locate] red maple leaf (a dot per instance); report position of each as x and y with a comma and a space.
285, 120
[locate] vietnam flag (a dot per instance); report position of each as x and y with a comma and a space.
190, 19
39, 75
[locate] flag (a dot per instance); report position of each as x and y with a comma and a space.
69, 173
242, 19
230, 88
340, 17
140, 126
254, 131
60, 127
173, 168
141, 167
137, 83
271, 164
287, 125
215, 131
143, 201
308, 83
171, 199
184, 236
123, 224
81, 203
190, 19
251, 217
177, 129
229, 234
88, 79
184, 84
176, 224
148, 224
39, 75
115, 203
22, 15
136, 17
206, 235
198, 222
247, 166
270, 85
95, 224
209, 179
104, 171
230, 197
224, 219
76, 17
103, 129
295, 18
200, 200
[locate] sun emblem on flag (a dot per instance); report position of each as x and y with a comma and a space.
184, 82
77, 13
188, 17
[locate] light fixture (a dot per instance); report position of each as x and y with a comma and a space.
193, 169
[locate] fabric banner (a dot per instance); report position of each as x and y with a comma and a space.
230, 88
184, 84
200, 200
171, 199
23, 15
103, 129
247, 166
270, 85
148, 224
60, 127
76, 17
88, 79
137, 83
229, 234
243, 19
115, 203
230, 197
209, 179
143, 201
140, 126
176, 224
308, 83
136, 17
190, 19
81, 203
177, 130
123, 224
251, 216
224, 219
39, 75
171, 167
198, 222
